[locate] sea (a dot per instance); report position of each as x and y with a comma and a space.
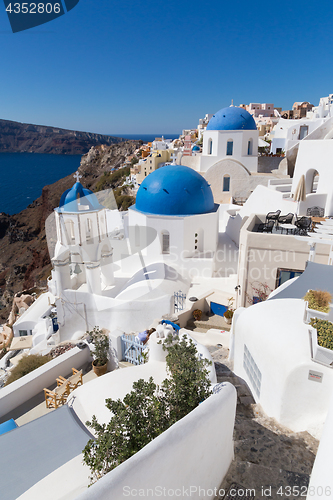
23, 175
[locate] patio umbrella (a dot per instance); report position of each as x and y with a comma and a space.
24, 342
300, 193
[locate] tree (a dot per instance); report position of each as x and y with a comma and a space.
148, 410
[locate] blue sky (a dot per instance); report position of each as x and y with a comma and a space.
157, 67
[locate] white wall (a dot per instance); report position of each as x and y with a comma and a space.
321, 480
316, 155
194, 453
240, 140
282, 353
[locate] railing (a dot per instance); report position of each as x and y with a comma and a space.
179, 300
132, 349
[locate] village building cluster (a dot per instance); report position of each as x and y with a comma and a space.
223, 221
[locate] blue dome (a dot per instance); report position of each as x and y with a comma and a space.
78, 199
195, 148
232, 118
175, 190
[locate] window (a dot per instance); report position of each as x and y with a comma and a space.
165, 242
23, 333
252, 371
210, 147
230, 145
196, 241
303, 131
226, 183
284, 275
69, 225
249, 147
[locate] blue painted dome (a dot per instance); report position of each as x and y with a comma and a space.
232, 118
174, 190
195, 148
78, 199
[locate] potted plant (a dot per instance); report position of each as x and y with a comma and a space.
317, 304
101, 352
322, 341
229, 312
197, 314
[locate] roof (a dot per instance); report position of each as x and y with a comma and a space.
175, 190
78, 199
232, 118
315, 277
33, 451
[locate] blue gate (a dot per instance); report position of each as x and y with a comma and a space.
179, 300
132, 349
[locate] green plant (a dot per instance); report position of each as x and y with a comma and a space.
228, 313
102, 344
324, 332
148, 410
26, 365
318, 300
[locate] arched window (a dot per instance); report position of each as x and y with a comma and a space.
315, 180
230, 145
249, 147
226, 183
89, 231
69, 225
165, 242
210, 146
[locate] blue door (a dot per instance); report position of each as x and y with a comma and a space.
218, 309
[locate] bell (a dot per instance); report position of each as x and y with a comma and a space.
77, 269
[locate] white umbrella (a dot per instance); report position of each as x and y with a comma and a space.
300, 193
262, 143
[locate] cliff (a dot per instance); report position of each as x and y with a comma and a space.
24, 258
18, 137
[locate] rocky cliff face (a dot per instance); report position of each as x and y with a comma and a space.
18, 137
24, 258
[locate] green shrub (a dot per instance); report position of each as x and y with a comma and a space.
324, 332
148, 410
110, 179
26, 365
318, 300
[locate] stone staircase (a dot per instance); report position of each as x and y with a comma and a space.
207, 322
269, 458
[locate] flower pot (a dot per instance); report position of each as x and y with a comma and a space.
227, 320
99, 370
313, 313
321, 354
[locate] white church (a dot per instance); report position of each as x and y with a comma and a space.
229, 159
123, 273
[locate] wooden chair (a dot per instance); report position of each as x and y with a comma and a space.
58, 396
74, 380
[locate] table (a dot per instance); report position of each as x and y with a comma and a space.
287, 227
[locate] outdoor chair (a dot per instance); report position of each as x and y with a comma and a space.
315, 212
303, 225
57, 397
267, 227
73, 381
286, 219
273, 216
